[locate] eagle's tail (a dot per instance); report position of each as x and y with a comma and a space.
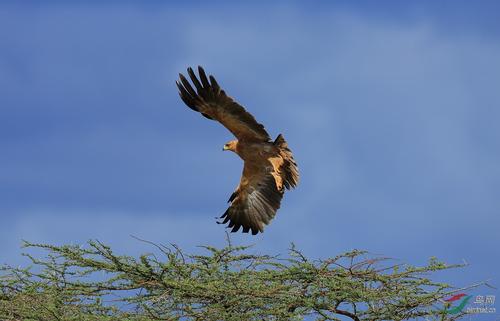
289, 170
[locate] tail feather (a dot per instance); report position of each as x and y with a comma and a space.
290, 171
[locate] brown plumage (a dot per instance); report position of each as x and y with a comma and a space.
269, 166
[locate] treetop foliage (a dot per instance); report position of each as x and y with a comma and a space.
91, 282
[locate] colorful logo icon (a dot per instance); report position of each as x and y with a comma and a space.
464, 299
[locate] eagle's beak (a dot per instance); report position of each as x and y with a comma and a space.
224, 148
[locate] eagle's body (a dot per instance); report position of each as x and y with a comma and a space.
269, 166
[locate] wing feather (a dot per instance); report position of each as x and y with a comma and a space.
210, 100
255, 201
195, 80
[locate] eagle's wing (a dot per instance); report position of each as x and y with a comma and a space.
212, 102
257, 198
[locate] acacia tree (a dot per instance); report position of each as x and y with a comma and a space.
230, 283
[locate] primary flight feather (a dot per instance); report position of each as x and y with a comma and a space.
269, 167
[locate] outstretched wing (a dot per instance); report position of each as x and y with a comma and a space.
256, 200
212, 102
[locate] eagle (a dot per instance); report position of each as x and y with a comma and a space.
269, 167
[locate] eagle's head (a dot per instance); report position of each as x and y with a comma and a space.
231, 145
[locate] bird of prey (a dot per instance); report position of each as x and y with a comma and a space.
269, 167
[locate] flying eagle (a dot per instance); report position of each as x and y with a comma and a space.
268, 167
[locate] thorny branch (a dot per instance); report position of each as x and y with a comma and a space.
94, 283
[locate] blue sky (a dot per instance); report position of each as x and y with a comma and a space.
392, 112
